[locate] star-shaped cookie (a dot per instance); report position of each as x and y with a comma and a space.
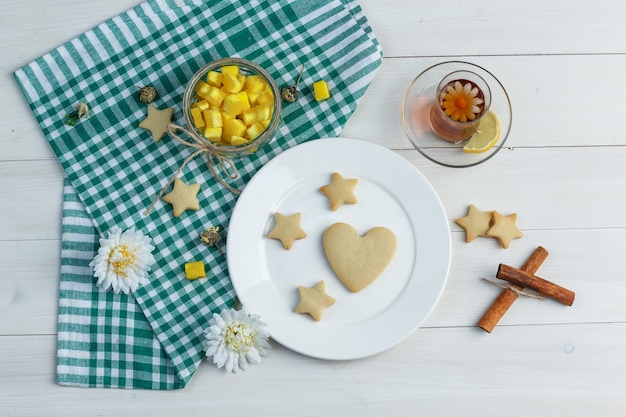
287, 229
504, 229
476, 223
183, 197
340, 191
157, 121
314, 300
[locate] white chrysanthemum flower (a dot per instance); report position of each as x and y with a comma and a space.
123, 260
236, 339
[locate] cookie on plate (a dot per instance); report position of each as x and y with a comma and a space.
340, 191
287, 229
314, 300
358, 260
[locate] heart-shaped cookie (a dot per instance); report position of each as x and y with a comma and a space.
358, 260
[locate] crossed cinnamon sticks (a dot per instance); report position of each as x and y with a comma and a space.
518, 280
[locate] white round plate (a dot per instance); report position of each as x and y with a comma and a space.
391, 193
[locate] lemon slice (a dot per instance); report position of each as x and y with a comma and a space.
487, 135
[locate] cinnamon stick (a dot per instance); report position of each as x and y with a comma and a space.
535, 283
507, 297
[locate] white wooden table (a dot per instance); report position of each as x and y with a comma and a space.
563, 171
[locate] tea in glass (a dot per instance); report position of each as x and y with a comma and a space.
462, 99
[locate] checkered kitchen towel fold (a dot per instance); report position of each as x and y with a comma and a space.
153, 339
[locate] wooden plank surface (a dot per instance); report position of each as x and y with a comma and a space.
563, 171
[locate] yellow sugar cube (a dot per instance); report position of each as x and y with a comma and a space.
230, 69
233, 105
233, 127
202, 105
321, 90
253, 97
199, 86
254, 84
196, 115
232, 83
238, 140
266, 97
226, 116
213, 133
254, 130
264, 112
212, 118
214, 78
212, 94
249, 116
243, 96
194, 270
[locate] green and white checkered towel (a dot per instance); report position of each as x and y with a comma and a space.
153, 338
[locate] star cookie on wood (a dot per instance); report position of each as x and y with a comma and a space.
314, 300
183, 197
504, 229
340, 191
476, 223
157, 121
287, 229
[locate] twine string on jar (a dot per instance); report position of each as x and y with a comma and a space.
201, 146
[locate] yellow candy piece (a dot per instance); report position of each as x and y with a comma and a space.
213, 133
254, 84
238, 140
264, 112
214, 78
212, 118
195, 270
321, 90
212, 94
196, 114
232, 83
230, 69
243, 97
201, 85
249, 116
233, 105
233, 127
265, 97
202, 105
226, 116
254, 130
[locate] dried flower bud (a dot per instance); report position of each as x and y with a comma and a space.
82, 109
211, 237
290, 94
147, 94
